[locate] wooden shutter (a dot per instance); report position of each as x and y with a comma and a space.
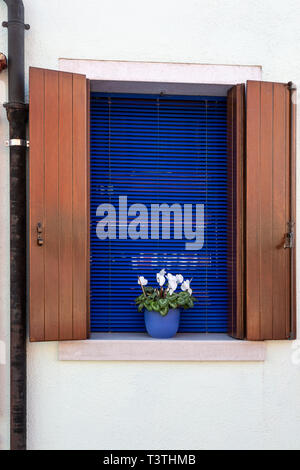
59, 202
236, 158
270, 196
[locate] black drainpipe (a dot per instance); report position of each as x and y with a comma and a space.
17, 114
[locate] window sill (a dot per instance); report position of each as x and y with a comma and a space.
141, 347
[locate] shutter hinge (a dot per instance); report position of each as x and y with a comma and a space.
289, 237
17, 143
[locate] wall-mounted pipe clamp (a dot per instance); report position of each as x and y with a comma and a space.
16, 143
6, 24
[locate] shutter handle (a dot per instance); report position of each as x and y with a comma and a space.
39, 229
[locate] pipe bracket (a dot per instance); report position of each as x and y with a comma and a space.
6, 24
17, 143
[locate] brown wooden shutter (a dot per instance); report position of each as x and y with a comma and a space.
270, 195
59, 202
236, 158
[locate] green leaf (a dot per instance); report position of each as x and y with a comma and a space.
140, 307
148, 305
164, 311
185, 295
140, 298
155, 306
181, 301
173, 296
163, 303
173, 303
149, 289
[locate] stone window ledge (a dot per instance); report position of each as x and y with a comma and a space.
141, 347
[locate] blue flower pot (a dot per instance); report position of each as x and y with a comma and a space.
158, 326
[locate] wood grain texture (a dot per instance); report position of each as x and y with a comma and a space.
253, 189
236, 157
293, 142
51, 238
36, 205
230, 215
88, 225
65, 178
266, 252
268, 279
280, 271
80, 206
59, 170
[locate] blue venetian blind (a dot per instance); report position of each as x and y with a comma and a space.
158, 150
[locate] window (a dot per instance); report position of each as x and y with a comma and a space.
148, 151
261, 207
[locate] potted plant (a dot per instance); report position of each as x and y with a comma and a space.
162, 305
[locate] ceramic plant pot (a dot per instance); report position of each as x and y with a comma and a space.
159, 326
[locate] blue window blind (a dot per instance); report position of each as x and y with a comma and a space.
148, 150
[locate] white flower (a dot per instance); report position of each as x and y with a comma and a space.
172, 287
172, 284
162, 272
142, 281
179, 278
186, 286
160, 279
170, 277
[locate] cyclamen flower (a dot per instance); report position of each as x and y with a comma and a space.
179, 278
172, 284
160, 278
172, 287
186, 286
142, 281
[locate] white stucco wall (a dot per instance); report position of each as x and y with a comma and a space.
153, 404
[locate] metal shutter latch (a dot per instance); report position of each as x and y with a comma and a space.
39, 229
